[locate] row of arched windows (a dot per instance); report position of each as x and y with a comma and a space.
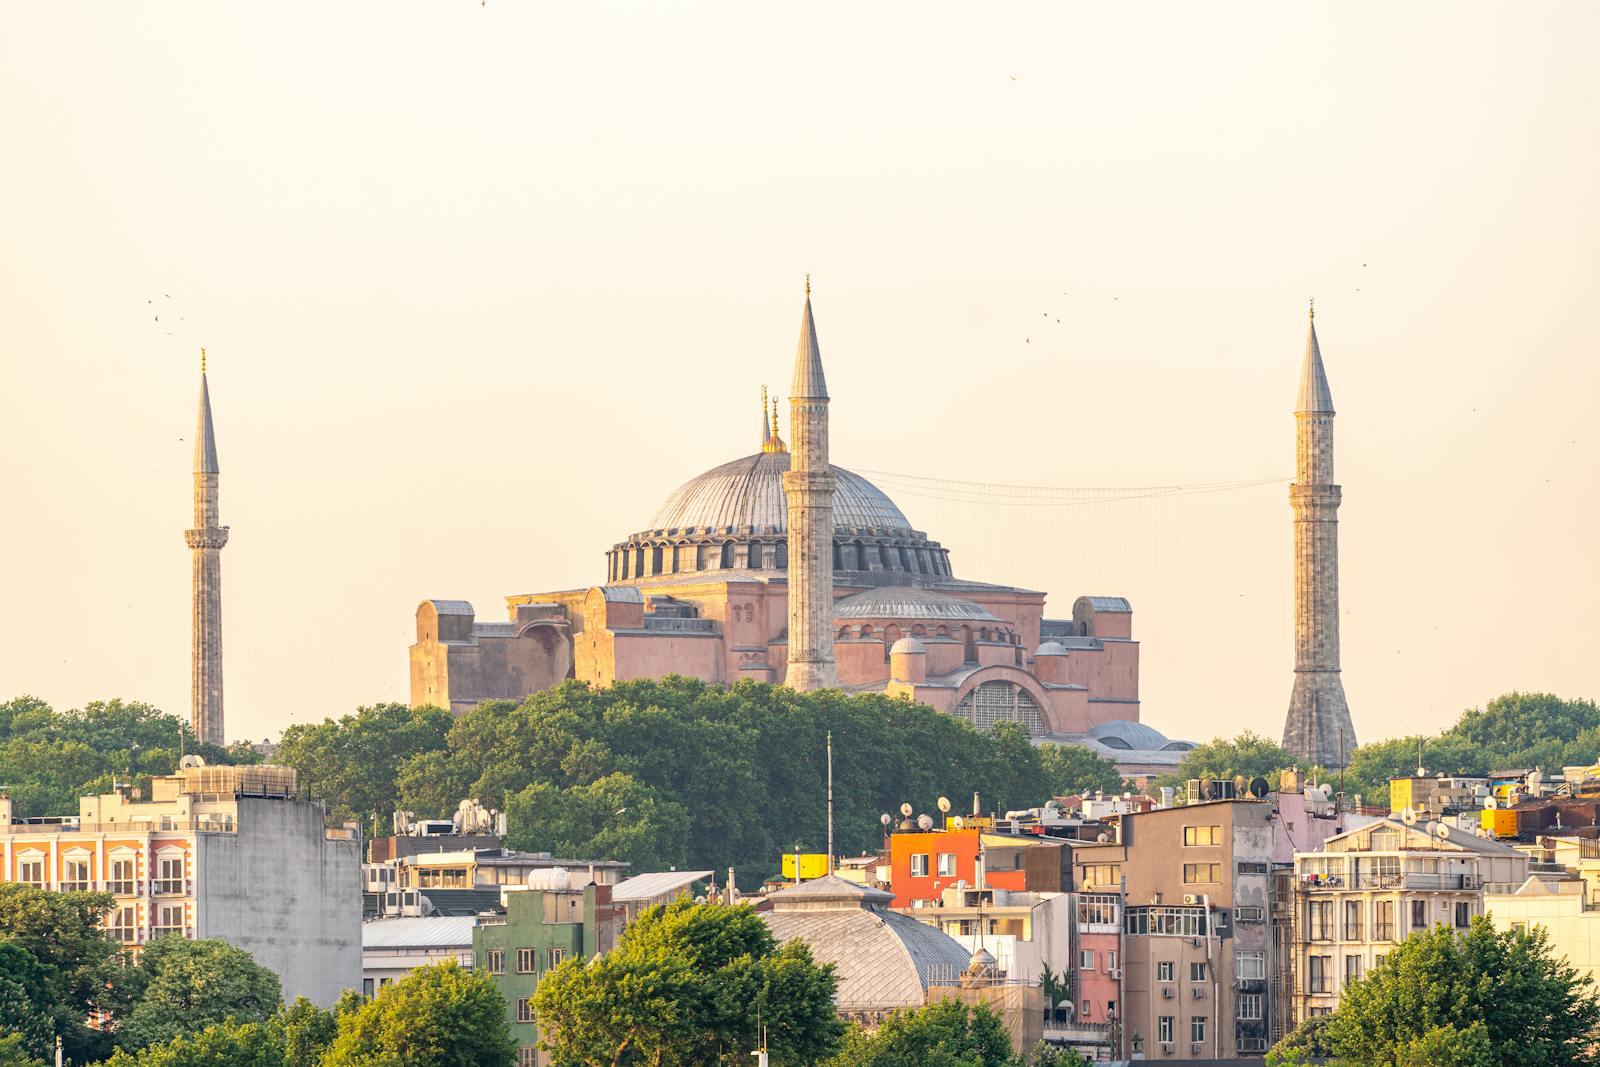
643, 561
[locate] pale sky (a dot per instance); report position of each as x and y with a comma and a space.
482, 283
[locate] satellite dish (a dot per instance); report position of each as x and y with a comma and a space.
944, 804
1408, 816
1490, 804
924, 822
1444, 832
1238, 785
905, 809
959, 822
1258, 788
1325, 791
886, 818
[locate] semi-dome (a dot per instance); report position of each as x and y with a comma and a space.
748, 493
908, 602
1124, 733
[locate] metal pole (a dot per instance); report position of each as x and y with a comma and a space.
830, 802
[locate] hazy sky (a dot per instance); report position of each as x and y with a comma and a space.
481, 284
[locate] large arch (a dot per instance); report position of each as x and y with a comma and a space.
1022, 682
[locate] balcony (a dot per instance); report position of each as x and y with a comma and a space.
125, 934
171, 887
125, 887
162, 931
77, 885
1334, 883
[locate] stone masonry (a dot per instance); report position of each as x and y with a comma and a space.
205, 544
1318, 728
808, 488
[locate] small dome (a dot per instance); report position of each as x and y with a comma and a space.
907, 646
1132, 735
981, 958
908, 602
1051, 648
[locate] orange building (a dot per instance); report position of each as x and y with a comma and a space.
922, 865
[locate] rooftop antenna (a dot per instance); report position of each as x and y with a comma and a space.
1420, 772
830, 802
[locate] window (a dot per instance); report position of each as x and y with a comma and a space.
1164, 971
1202, 872
1317, 973
1111, 959
947, 864
1197, 1028
1086, 959
1377, 961
1101, 910
1419, 914
919, 865
554, 957
31, 872
495, 960
121, 880
1104, 875
1383, 920
1197, 971
1250, 966
1319, 920
1164, 1028
1166, 922
1088, 1010
169, 919
527, 960
75, 875
1462, 919
170, 876
1250, 914
1111, 1009
994, 702
124, 923
1252, 868
1352, 969
1519, 928
1352, 919
524, 1009
366, 987
1202, 835
1250, 1006
527, 1056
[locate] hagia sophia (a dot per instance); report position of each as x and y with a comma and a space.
715, 588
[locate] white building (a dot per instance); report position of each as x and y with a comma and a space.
393, 948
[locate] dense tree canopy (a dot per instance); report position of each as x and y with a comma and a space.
184, 986
689, 985
1073, 769
1248, 754
1476, 999
57, 967
48, 759
946, 1034
353, 763
436, 1016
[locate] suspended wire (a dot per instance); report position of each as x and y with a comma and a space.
944, 489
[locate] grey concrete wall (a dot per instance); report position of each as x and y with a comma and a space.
283, 892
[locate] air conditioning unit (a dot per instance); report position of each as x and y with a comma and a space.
1197, 992
1116, 972
1191, 899
1196, 1047
1166, 1047
1166, 992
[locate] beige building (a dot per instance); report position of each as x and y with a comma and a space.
1370, 888
1566, 907
216, 852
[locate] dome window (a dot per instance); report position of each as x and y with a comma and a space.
994, 702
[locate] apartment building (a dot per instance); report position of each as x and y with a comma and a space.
1371, 887
215, 852
1195, 951
923, 864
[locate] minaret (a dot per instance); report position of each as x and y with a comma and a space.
205, 544
808, 485
1318, 728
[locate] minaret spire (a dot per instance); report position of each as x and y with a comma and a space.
1318, 727
766, 427
205, 542
809, 487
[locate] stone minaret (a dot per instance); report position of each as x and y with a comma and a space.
1318, 728
808, 485
205, 543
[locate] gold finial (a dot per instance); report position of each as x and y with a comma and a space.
808, 286
1313, 309
202, 359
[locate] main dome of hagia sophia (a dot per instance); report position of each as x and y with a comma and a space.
703, 591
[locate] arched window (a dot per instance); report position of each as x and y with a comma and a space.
780, 555
727, 555
883, 557
655, 560
994, 702
755, 555
638, 562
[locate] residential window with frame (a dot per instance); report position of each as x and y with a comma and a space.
1197, 1028
1319, 920
1318, 974
1419, 915
1087, 1011
919, 865
494, 960
1164, 971
75, 875
1086, 959
1202, 873
1352, 919
125, 924
1352, 969
31, 872
1197, 971
1463, 919
1252, 867
1161, 921
525, 1010
1164, 1028
554, 957
1099, 910
1250, 966
1377, 961
169, 919
1111, 959
1202, 835
1383, 920
1111, 1009
947, 864
1250, 913
1105, 875
527, 1056
121, 881
169, 878
366, 988
1250, 1006
527, 960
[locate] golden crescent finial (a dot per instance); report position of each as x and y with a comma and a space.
808, 286
1313, 309
202, 359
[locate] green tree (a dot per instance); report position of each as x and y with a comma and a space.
14, 1052
1515, 722
353, 762
1248, 754
59, 959
1373, 765
1533, 1008
946, 1034
436, 1016
225, 1044
1073, 769
186, 986
689, 984
307, 1031
616, 816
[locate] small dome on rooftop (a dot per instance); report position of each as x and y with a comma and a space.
1134, 735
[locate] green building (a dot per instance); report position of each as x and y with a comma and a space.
541, 928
